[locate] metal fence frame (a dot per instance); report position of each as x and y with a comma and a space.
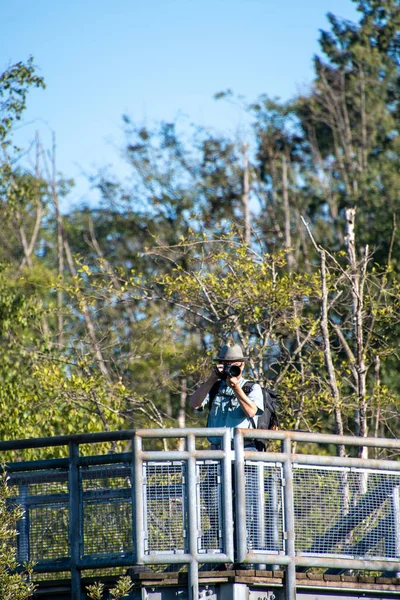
291, 560
69, 469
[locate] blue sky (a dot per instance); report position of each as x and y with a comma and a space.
153, 60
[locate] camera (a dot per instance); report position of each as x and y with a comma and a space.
228, 371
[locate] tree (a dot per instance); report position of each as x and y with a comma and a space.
15, 83
317, 334
351, 122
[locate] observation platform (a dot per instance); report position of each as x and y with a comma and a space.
187, 522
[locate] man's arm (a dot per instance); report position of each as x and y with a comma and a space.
197, 398
249, 407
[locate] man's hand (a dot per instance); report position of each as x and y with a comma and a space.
233, 382
248, 406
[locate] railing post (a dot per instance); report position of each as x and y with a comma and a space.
240, 521
134, 507
138, 507
23, 525
395, 550
191, 493
74, 520
289, 520
227, 497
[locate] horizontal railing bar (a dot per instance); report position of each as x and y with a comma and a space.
337, 461
179, 455
347, 563
97, 496
128, 434
52, 565
94, 496
175, 432
60, 463
34, 470
321, 438
35, 476
107, 436
173, 559
268, 559
88, 562
37, 465
64, 440
252, 557
105, 471
85, 563
45, 499
212, 558
106, 459
325, 461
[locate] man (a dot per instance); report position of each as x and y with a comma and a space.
230, 407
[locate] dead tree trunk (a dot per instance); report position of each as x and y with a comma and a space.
286, 210
358, 274
245, 197
182, 410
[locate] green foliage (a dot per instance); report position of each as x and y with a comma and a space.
109, 315
14, 584
121, 589
14, 85
351, 123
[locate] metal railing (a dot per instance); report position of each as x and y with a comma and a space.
165, 507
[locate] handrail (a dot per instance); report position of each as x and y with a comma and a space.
129, 434
176, 506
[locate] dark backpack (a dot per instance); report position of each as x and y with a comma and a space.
268, 419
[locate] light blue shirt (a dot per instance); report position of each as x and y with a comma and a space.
227, 412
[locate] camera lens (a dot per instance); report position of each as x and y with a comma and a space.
234, 371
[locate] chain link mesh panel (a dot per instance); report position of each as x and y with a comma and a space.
44, 527
209, 495
49, 527
341, 512
264, 520
107, 510
164, 505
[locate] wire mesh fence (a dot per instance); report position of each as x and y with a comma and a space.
44, 528
264, 507
347, 512
209, 500
165, 510
48, 532
107, 510
339, 512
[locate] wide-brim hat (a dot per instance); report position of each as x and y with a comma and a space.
231, 354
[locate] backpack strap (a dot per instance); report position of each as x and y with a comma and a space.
248, 386
269, 399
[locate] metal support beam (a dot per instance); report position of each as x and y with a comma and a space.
289, 522
192, 519
74, 521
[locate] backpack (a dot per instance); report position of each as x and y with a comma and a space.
268, 419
